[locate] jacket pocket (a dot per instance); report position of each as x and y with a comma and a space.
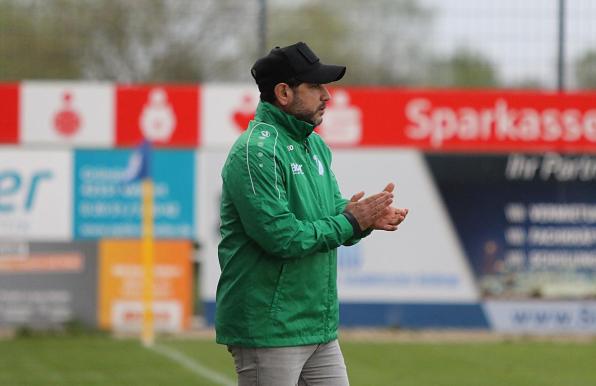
277, 294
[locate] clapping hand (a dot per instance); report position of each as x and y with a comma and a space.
391, 217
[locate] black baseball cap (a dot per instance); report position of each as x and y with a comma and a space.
297, 61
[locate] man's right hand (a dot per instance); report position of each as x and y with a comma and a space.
368, 210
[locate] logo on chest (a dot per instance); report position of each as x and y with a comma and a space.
320, 167
296, 168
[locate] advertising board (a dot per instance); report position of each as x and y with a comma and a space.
457, 120
402, 265
121, 290
226, 110
105, 205
165, 115
67, 113
526, 221
35, 194
47, 284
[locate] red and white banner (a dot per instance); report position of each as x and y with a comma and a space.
164, 115
67, 113
9, 113
465, 120
227, 110
214, 115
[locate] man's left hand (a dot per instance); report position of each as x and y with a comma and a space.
392, 217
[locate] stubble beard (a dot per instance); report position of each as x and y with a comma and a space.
298, 110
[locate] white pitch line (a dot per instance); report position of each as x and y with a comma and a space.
193, 365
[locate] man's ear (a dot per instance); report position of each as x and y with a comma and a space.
283, 93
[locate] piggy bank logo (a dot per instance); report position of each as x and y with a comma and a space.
67, 120
158, 120
342, 123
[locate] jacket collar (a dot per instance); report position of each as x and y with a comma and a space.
297, 129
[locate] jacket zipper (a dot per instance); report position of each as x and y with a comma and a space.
311, 162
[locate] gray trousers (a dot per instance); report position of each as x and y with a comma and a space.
319, 364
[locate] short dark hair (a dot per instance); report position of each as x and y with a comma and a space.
268, 93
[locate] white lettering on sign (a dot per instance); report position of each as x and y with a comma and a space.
551, 166
500, 122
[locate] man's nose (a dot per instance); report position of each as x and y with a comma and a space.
325, 96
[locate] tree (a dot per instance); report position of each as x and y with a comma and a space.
465, 68
585, 70
382, 42
34, 45
394, 39
168, 40
162, 40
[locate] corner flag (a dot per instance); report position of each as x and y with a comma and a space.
139, 168
139, 163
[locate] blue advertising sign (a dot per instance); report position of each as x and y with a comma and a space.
526, 221
105, 205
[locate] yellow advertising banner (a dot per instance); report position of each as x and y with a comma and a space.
121, 276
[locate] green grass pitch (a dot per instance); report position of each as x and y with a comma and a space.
104, 361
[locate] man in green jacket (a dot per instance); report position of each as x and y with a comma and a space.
282, 219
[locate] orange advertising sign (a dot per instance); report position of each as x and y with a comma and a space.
121, 285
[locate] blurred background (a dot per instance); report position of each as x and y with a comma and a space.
418, 43
482, 112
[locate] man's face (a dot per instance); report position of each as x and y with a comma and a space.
308, 103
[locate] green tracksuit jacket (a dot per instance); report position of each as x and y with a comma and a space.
281, 222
